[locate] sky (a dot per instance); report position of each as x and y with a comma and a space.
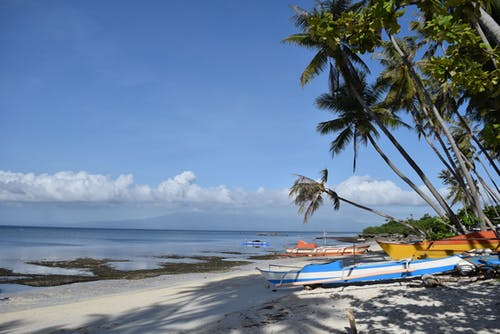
173, 114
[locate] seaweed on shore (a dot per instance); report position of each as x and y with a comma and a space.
266, 257
101, 270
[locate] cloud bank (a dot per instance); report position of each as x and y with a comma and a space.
182, 189
368, 191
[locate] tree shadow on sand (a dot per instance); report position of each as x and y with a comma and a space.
239, 305
213, 307
454, 308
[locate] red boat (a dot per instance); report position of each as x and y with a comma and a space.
311, 249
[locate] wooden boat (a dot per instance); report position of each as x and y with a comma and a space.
442, 248
312, 249
335, 273
256, 243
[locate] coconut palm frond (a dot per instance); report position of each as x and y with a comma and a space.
315, 67
324, 176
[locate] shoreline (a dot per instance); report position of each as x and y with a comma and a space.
236, 301
90, 269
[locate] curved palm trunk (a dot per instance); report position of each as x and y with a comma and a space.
350, 80
405, 178
473, 189
478, 143
489, 176
492, 195
485, 41
450, 165
485, 186
381, 214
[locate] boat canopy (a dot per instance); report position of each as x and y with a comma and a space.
305, 245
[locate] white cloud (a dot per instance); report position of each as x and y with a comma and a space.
62, 187
70, 187
367, 191
182, 189
81, 196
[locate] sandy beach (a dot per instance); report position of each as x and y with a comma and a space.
239, 302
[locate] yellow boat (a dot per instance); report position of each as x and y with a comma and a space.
443, 247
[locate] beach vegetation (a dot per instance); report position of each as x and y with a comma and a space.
439, 73
433, 227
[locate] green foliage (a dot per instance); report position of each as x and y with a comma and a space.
444, 62
390, 227
470, 220
435, 228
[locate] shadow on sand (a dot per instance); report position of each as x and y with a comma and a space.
239, 305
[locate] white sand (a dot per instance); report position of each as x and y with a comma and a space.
238, 302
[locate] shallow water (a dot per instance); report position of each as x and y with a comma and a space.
142, 248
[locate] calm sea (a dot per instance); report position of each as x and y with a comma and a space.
142, 248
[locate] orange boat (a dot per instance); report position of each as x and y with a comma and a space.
311, 249
441, 248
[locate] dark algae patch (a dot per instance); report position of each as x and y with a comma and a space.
101, 270
206, 264
266, 257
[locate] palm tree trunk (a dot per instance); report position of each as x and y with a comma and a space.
452, 167
452, 170
489, 176
473, 189
381, 214
485, 41
353, 89
491, 26
405, 178
478, 143
493, 196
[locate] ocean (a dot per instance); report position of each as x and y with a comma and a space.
142, 248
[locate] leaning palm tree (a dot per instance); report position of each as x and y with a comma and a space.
433, 111
309, 193
403, 94
352, 125
345, 64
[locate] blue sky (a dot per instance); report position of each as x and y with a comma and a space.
188, 111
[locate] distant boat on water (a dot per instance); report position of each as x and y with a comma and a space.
256, 243
441, 248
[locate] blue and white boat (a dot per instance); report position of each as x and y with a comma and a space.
335, 273
256, 243
489, 264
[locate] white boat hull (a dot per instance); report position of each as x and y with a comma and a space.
335, 273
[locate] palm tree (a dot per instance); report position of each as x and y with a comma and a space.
440, 122
403, 94
352, 124
345, 61
309, 193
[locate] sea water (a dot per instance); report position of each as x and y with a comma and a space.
131, 249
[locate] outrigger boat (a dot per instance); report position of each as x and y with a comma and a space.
441, 248
489, 263
332, 273
312, 249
